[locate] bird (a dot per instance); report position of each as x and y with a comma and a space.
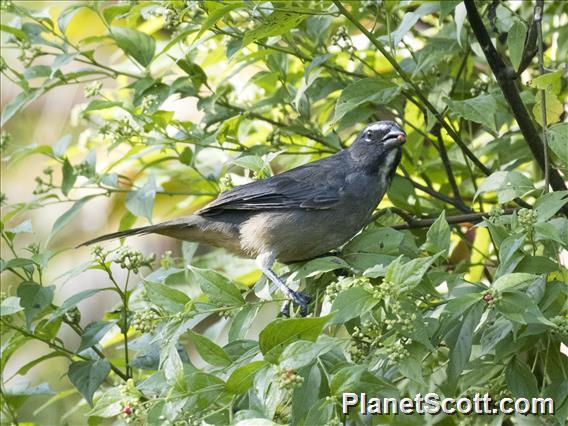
296, 215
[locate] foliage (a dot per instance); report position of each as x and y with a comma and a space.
395, 312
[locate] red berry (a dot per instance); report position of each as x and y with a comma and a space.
127, 410
488, 297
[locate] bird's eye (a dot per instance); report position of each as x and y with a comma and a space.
370, 134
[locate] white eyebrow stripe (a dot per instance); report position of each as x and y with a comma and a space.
377, 126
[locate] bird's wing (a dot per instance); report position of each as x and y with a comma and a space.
316, 185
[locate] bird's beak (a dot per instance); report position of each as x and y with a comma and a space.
394, 138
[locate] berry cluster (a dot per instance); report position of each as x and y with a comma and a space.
132, 407
397, 351
145, 321
5, 139
495, 213
99, 254
275, 137
527, 218
560, 325
384, 290
342, 39
288, 379
133, 260
44, 185
72, 316
363, 339
343, 283
149, 103
491, 297
226, 182
120, 131
93, 89
167, 261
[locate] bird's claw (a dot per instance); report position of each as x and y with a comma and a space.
299, 299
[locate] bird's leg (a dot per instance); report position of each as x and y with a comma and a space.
264, 262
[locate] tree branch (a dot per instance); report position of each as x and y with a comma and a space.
452, 220
505, 78
538, 10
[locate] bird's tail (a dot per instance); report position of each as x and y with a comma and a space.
184, 222
120, 234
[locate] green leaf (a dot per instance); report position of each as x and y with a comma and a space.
218, 288
34, 299
99, 104
65, 17
520, 379
67, 217
407, 275
554, 108
507, 185
141, 201
242, 322
320, 413
19, 34
318, 266
277, 23
87, 376
481, 109
61, 145
558, 141
209, 351
69, 177
410, 19
516, 43
23, 227
19, 102
194, 71
494, 334
18, 262
71, 302
549, 204
166, 297
537, 265
551, 82
365, 90
438, 236
186, 156
214, 16
134, 43
22, 371
513, 281
241, 378
10, 306
37, 71
94, 332
302, 353
460, 340
282, 332
352, 303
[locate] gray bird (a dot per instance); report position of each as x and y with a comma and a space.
299, 214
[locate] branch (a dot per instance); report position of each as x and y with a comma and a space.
447, 164
538, 11
505, 78
453, 134
435, 194
452, 220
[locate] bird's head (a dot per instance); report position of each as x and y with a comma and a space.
378, 139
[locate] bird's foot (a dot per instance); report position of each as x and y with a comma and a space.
300, 299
